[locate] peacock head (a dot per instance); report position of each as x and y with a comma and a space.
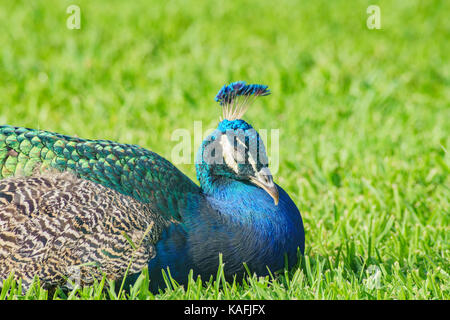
235, 150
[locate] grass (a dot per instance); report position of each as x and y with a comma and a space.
363, 118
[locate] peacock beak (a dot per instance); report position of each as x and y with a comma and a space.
264, 180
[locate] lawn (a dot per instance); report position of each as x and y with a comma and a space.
363, 118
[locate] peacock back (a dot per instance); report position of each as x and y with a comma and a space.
72, 207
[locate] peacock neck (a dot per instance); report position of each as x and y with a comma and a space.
220, 188
236, 219
235, 197
246, 226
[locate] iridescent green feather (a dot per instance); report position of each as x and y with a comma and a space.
129, 169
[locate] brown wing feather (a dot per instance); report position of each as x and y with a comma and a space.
57, 226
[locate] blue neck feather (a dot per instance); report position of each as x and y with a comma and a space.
234, 218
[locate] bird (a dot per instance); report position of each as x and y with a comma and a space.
77, 210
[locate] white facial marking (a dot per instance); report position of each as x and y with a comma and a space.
228, 151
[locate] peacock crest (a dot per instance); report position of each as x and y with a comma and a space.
236, 97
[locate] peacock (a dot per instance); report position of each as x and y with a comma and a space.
78, 209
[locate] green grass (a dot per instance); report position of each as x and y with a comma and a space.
363, 118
